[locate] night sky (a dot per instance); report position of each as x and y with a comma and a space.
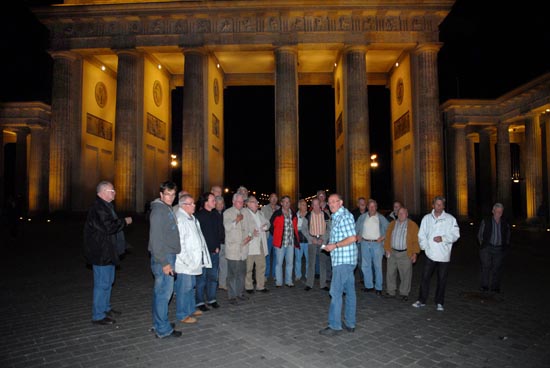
488, 50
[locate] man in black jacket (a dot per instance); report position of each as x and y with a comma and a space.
104, 242
494, 238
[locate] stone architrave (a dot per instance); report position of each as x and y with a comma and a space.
38, 169
194, 122
128, 131
429, 131
356, 117
286, 122
504, 170
66, 106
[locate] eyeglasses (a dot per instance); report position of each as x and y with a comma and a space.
188, 204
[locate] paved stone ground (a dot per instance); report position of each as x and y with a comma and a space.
46, 293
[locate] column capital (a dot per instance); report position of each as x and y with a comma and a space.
286, 48
196, 50
67, 54
428, 47
355, 48
129, 51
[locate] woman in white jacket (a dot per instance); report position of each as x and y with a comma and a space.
190, 261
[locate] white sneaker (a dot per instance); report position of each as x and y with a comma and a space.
440, 308
417, 304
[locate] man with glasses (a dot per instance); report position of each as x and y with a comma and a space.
104, 243
164, 245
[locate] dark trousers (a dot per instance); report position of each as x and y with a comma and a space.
442, 269
491, 267
236, 273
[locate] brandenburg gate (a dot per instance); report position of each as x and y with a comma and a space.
116, 62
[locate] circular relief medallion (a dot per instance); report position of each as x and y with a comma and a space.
338, 91
157, 93
100, 94
216, 91
399, 91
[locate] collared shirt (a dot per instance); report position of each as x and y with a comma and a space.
496, 238
371, 228
399, 235
317, 224
288, 229
343, 226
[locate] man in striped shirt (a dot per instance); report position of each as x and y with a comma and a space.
343, 253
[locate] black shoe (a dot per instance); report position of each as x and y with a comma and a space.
389, 296
404, 298
113, 313
173, 334
327, 331
378, 293
215, 305
368, 290
104, 321
307, 288
203, 308
264, 290
290, 285
349, 329
250, 291
326, 288
233, 301
484, 289
496, 291
242, 297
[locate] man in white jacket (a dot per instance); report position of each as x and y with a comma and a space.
438, 231
194, 255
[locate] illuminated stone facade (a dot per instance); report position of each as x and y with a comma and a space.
115, 63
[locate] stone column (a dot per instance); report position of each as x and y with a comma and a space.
129, 131
286, 122
194, 121
66, 105
533, 166
38, 169
471, 175
504, 170
545, 151
21, 178
356, 119
486, 170
2, 168
429, 131
460, 170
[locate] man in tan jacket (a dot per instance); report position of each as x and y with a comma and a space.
401, 248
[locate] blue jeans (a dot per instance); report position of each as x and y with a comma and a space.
372, 253
104, 276
208, 281
270, 258
298, 253
343, 281
185, 295
282, 254
162, 293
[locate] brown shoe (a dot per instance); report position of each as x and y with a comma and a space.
197, 313
189, 319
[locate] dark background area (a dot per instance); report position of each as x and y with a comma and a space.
489, 48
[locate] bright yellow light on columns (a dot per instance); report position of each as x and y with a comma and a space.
374, 163
174, 161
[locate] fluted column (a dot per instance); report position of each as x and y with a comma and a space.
66, 104
460, 170
194, 121
504, 171
128, 130
471, 174
38, 169
533, 166
21, 178
356, 115
428, 124
545, 150
2, 168
286, 122
485, 171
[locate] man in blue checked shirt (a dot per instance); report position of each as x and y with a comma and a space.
343, 254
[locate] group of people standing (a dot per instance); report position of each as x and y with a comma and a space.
193, 253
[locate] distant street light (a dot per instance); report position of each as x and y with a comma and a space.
173, 162
373, 162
